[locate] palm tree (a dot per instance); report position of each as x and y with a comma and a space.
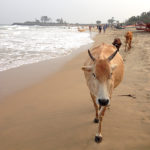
98, 22
45, 19
111, 21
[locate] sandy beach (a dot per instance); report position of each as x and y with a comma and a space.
56, 113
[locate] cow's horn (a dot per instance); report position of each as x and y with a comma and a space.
91, 55
113, 55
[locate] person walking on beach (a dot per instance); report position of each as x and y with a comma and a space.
104, 28
90, 27
99, 28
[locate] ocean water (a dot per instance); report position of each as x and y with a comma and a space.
20, 45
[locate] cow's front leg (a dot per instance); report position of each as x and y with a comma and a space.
96, 120
98, 137
129, 45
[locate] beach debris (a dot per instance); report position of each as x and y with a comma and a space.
129, 95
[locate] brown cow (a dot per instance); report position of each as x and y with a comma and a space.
103, 71
128, 40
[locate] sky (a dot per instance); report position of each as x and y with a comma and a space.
72, 11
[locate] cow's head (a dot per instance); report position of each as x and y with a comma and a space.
101, 80
117, 43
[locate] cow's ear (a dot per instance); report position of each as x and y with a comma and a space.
87, 68
113, 66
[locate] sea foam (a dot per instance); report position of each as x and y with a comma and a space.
21, 45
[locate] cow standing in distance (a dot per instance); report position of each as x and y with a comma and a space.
103, 71
128, 40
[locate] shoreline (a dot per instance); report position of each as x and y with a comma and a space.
27, 75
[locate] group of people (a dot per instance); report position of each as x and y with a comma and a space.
99, 28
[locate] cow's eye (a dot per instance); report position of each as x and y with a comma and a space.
94, 75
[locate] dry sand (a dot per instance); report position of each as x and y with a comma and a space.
57, 113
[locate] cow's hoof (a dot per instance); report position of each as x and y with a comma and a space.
98, 139
96, 120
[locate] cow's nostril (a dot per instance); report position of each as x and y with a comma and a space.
103, 102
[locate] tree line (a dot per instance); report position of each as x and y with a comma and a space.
46, 19
144, 17
110, 21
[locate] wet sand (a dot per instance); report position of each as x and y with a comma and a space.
16, 79
57, 113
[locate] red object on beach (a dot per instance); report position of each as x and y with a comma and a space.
147, 27
143, 26
140, 26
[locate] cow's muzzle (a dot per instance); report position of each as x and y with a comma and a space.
103, 102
